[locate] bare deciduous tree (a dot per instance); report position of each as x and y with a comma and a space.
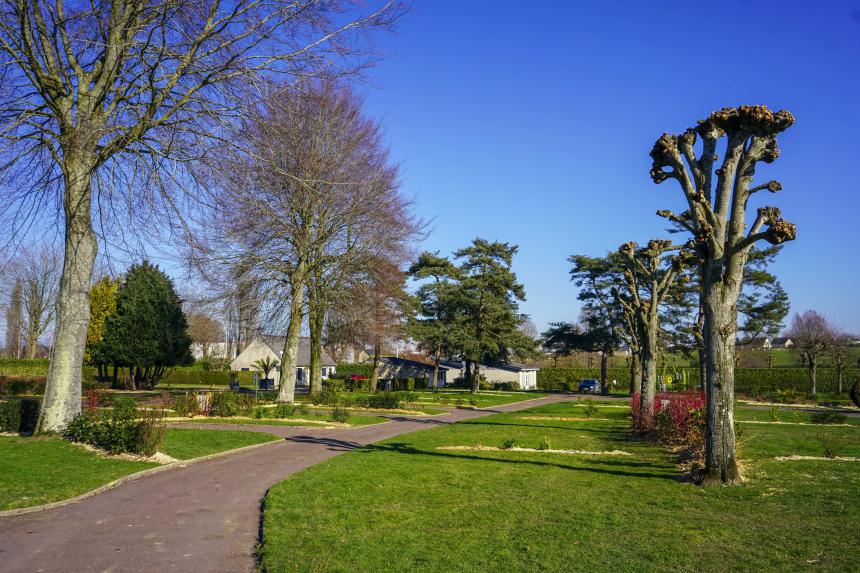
103, 103
717, 198
38, 269
813, 335
15, 320
205, 331
311, 200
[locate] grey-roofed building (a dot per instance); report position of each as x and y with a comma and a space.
272, 346
392, 368
525, 376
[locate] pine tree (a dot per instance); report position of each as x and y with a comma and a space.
488, 295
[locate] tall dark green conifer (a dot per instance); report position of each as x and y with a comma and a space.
488, 295
148, 332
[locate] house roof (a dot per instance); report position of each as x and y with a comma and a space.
781, 340
510, 366
276, 345
396, 361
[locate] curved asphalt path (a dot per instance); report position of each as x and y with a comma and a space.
204, 517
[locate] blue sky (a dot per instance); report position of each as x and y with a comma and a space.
531, 123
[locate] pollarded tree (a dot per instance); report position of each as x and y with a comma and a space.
488, 296
596, 277
147, 333
716, 215
101, 96
649, 275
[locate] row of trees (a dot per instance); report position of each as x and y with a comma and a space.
691, 292
112, 131
30, 283
468, 308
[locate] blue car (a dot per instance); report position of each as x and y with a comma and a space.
589, 386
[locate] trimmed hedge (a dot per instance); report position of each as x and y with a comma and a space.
22, 384
345, 370
19, 415
756, 381
24, 367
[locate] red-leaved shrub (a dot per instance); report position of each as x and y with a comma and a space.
672, 416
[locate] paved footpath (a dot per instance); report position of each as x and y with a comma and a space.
204, 517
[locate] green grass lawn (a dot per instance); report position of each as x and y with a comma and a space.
484, 398
37, 470
405, 505
354, 420
184, 444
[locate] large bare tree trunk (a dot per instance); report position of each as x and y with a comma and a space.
476, 377
604, 358
648, 347
635, 370
374, 377
62, 400
813, 373
316, 320
287, 382
721, 464
435, 382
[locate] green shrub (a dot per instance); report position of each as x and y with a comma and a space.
382, 400
788, 396
246, 404
774, 413
473, 401
267, 396
334, 384
327, 397
589, 409
19, 415
545, 444
185, 405
832, 441
511, 443
284, 410
224, 405
511, 386
28, 385
345, 370
408, 396
339, 415
827, 417
120, 432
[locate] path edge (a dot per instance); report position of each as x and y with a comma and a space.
131, 477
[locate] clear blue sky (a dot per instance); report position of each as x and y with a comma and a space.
531, 123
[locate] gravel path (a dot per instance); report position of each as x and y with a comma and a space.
204, 517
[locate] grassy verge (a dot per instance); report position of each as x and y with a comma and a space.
37, 470
529, 511
354, 420
184, 444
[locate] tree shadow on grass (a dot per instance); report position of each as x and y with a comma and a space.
403, 448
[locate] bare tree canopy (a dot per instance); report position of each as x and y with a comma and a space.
38, 270
116, 97
813, 334
309, 203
